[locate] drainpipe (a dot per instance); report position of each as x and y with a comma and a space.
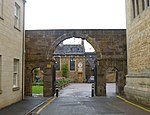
23, 49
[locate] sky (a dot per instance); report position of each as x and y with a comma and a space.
75, 14
88, 47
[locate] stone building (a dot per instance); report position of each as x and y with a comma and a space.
74, 57
11, 51
138, 47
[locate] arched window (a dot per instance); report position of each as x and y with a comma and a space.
137, 6
148, 2
72, 63
133, 6
143, 5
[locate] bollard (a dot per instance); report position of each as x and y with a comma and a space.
57, 91
92, 94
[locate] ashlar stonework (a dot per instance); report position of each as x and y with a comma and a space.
138, 42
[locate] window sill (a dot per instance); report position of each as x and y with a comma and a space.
15, 88
0, 91
17, 28
72, 70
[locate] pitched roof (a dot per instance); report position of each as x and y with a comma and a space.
69, 50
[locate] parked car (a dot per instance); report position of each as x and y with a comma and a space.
91, 79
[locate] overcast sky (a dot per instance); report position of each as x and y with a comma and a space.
75, 14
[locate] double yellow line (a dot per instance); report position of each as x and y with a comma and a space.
46, 105
133, 104
50, 101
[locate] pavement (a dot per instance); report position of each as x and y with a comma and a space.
23, 107
75, 99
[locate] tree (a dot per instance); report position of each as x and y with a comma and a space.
64, 70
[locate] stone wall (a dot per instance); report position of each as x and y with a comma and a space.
11, 41
109, 45
73, 75
138, 42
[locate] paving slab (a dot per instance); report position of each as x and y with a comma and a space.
22, 107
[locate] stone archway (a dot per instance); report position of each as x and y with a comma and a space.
118, 64
77, 35
110, 47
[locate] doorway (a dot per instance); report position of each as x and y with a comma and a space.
111, 79
37, 82
71, 61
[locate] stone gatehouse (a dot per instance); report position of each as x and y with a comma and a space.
109, 45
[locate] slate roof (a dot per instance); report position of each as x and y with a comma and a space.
69, 50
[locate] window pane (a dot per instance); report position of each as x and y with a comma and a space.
17, 16
16, 73
14, 80
148, 2
72, 63
137, 6
57, 63
16, 10
133, 5
143, 4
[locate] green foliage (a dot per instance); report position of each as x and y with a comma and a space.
40, 83
36, 71
37, 89
64, 70
63, 82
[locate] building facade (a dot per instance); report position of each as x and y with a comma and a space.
11, 51
138, 48
74, 57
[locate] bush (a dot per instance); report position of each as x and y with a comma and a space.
37, 83
65, 70
62, 82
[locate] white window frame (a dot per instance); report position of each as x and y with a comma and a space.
17, 16
16, 73
1, 8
